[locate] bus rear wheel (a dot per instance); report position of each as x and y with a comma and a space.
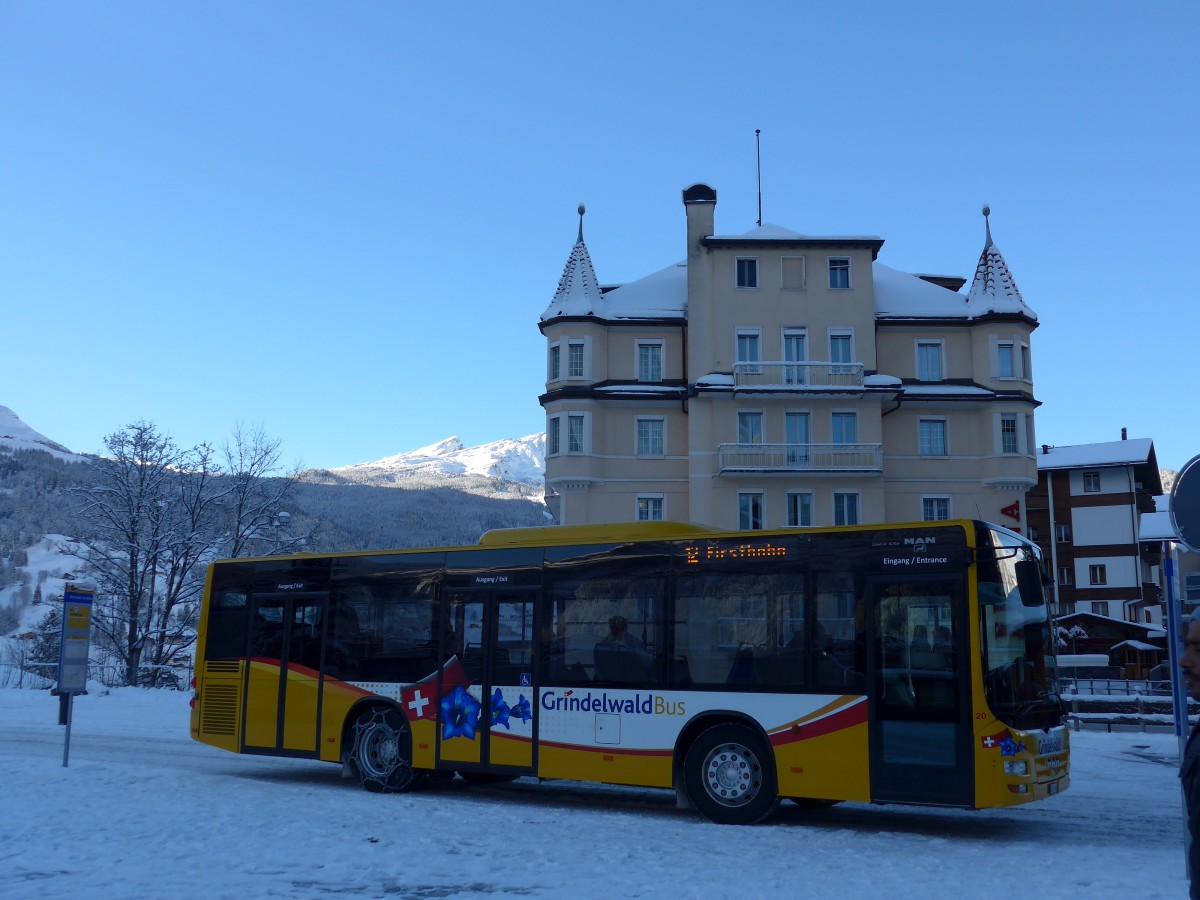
382, 751
730, 775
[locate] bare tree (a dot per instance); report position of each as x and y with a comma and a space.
127, 509
255, 497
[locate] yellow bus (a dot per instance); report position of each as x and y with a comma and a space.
886, 664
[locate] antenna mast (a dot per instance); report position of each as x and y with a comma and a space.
758, 153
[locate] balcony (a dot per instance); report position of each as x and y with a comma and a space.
797, 376
801, 458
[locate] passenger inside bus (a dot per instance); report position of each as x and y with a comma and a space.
621, 656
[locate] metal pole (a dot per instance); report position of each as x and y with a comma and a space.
67, 737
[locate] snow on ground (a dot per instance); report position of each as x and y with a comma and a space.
142, 811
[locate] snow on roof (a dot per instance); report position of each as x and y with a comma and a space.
1157, 526
578, 291
1110, 453
898, 294
941, 390
765, 232
1137, 645
994, 289
660, 295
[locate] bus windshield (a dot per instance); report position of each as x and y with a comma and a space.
1016, 640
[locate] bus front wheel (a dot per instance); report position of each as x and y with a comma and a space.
382, 751
730, 775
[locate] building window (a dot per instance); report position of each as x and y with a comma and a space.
795, 433
649, 360
750, 512
839, 273
747, 272
1026, 364
650, 508
1098, 574
1091, 482
845, 509
932, 437
1062, 534
935, 509
554, 370
794, 352
1191, 587
1004, 360
1030, 443
929, 361
575, 359
1008, 433
575, 434
1065, 576
1100, 607
650, 437
750, 427
799, 509
845, 427
748, 349
553, 435
841, 350
792, 274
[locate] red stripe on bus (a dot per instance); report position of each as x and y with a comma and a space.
847, 717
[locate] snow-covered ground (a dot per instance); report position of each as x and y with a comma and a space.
143, 811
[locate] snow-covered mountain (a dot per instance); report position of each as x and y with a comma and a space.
16, 434
520, 461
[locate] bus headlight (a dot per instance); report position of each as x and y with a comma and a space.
1016, 767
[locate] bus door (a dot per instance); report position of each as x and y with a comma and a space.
486, 719
283, 685
920, 728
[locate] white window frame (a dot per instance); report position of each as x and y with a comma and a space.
1062, 533
748, 332
762, 425
1091, 477
554, 435
1097, 574
838, 512
793, 509
1026, 362
941, 499
1066, 576
834, 416
1011, 346
1001, 419
939, 346
848, 268
783, 281
945, 435
1100, 607
648, 345
585, 432
649, 422
762, 510
584, 359
751, 269
838, 366
794, 374
652, 502
554, 362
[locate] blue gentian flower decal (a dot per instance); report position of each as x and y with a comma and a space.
521, 710
460, 714
500, 710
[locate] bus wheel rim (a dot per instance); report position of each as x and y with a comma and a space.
732, 774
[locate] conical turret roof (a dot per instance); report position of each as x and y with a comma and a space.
578, 291
994, 289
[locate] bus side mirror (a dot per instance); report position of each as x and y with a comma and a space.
1029, 582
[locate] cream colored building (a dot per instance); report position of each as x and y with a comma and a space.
775, 379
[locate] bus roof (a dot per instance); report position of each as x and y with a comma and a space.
592, 534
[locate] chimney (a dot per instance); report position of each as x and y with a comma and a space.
700, 202
1124, 434
1045, 449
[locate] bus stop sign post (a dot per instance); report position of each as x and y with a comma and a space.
73, 653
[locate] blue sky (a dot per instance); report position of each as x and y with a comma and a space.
342, 221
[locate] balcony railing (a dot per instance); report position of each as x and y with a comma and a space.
796, 376
800, 457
